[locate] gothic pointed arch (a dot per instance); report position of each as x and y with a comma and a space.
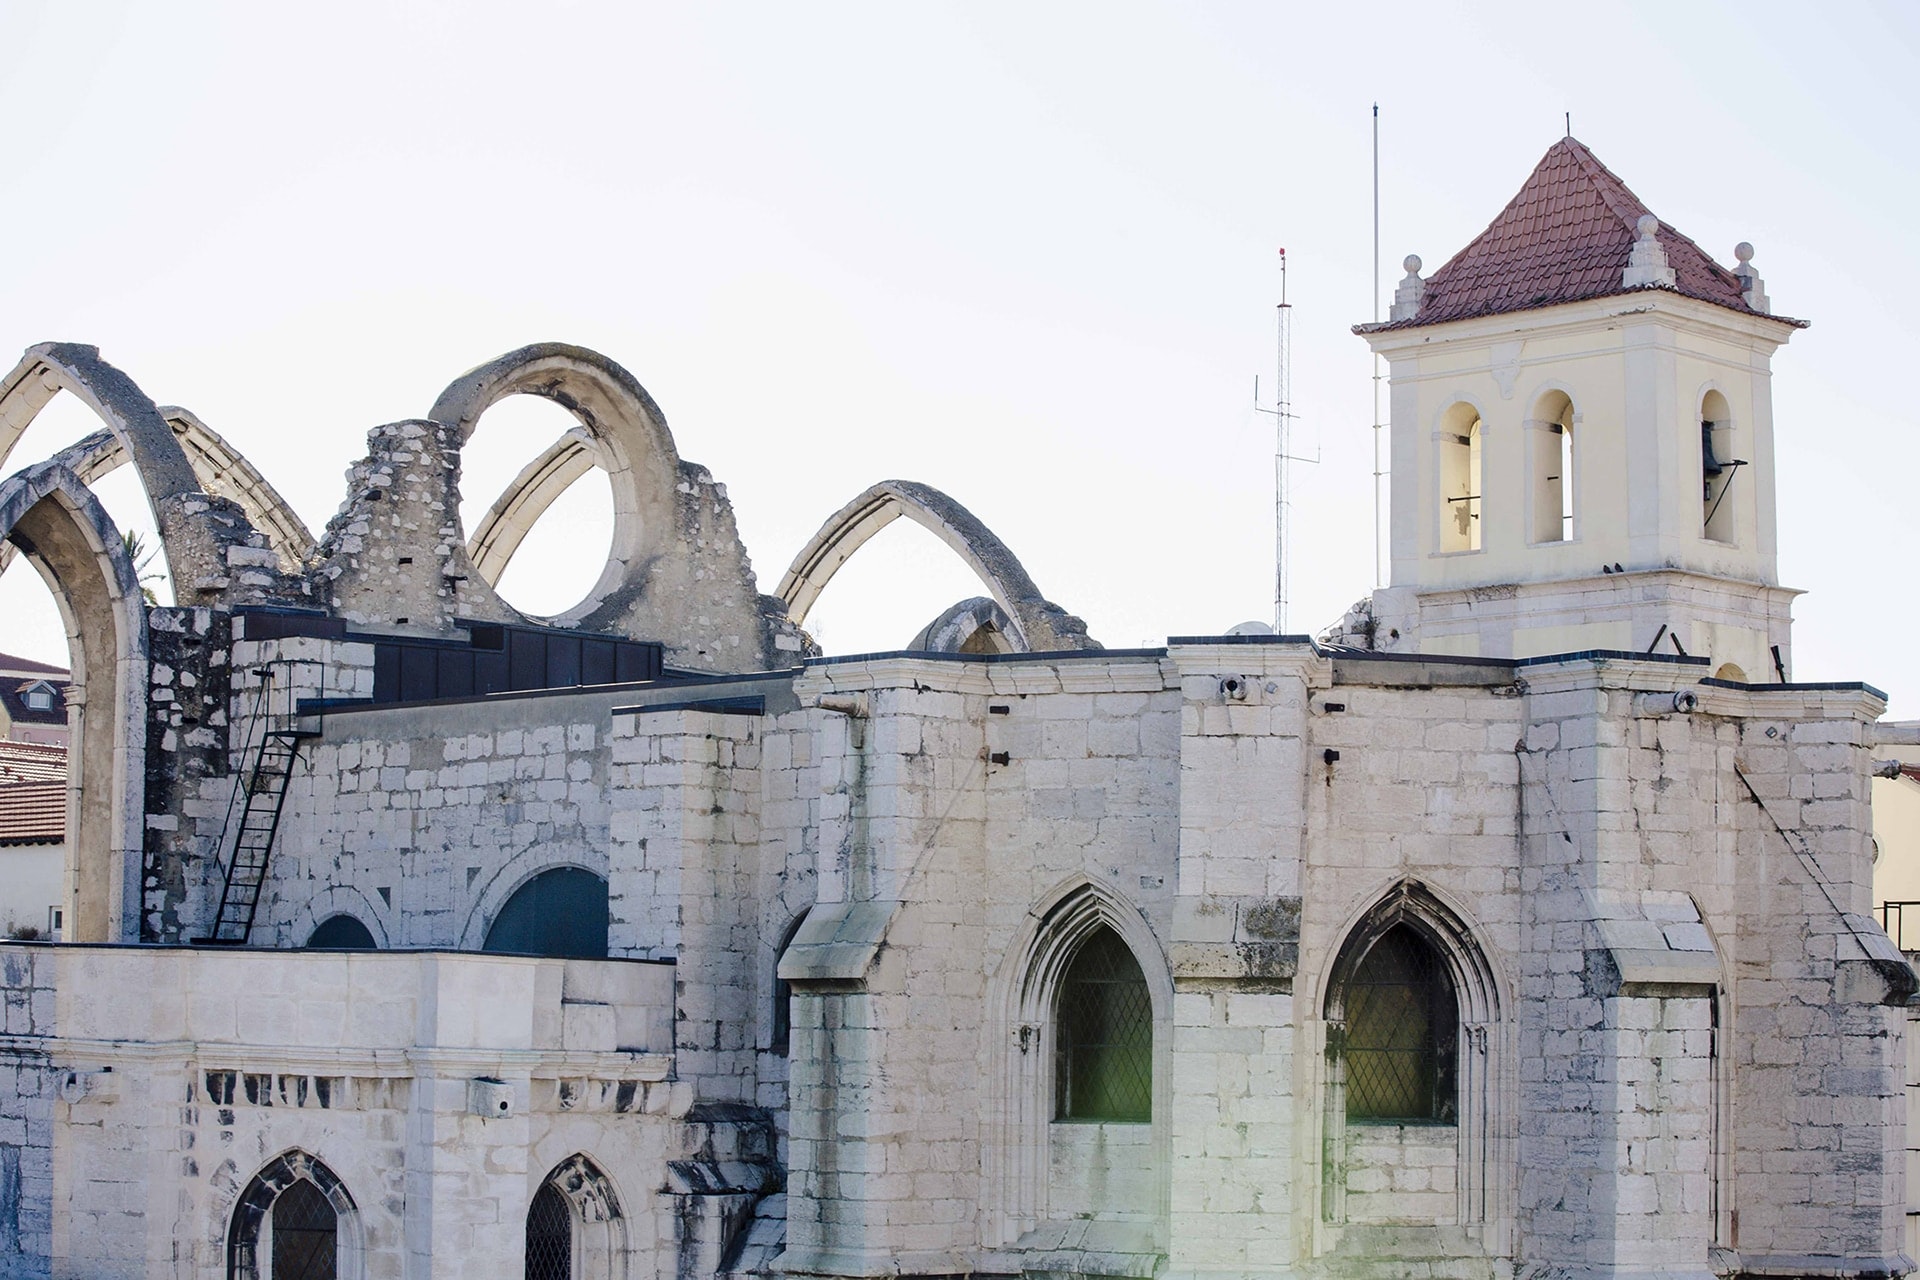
1412, 1005
576, 1228
166, 475
51, 517
1039, 624
295, 1218
1028, 1027
221, 470
521, 504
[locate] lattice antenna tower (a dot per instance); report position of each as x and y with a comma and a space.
1283, 454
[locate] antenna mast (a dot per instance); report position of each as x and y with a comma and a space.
1376, 355
1282, 447
1283, 453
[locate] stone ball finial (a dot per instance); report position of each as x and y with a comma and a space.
1744, 252
1412, 264
1647, 226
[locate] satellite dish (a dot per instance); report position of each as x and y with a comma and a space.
1250, 629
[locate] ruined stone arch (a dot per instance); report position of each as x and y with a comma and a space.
250, 1225
1022, 1008
60, 526
165, 472
630, 439
596, 1240
677, 571
521, 504
220, 469
1478, 1037
1040, 625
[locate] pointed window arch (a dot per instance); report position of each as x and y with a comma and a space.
575, 1227
1080, 1023
294, 1221
1411, 1010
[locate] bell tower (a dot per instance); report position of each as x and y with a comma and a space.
1582, 439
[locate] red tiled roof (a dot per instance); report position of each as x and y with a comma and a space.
33, 813
1565, 237
32, 762
28, 667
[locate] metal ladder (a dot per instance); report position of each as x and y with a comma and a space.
266, 795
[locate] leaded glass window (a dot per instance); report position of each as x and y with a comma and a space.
549, 1236
305, 1234
1103, 1065
1402, 1031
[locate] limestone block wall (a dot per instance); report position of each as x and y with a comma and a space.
960, 801
362, 1062
422, 821
1819, 990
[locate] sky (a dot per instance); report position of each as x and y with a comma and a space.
1025, 253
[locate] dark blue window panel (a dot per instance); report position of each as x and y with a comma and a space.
562, 912
343, 933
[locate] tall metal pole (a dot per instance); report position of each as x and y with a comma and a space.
1377, 574
1282, 447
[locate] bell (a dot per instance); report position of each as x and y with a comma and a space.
1709, 465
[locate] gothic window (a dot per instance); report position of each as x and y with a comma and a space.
1403, 1026
1104, 1035
561, 912
1460, 441
549, 1236
294, 1221
575, 1228
1550, 436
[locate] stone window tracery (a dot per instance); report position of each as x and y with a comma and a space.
294, 1221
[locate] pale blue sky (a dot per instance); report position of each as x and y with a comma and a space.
1025, 253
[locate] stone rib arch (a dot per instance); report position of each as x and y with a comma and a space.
1040, 625
1021, 1012
219, 468
521, 504
57, 522
165, 472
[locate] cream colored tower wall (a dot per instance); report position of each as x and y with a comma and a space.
1629, 375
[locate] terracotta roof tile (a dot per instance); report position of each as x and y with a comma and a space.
28, 667
33, 813
1564, 237
32, 762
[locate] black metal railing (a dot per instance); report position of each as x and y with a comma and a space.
1892, 917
